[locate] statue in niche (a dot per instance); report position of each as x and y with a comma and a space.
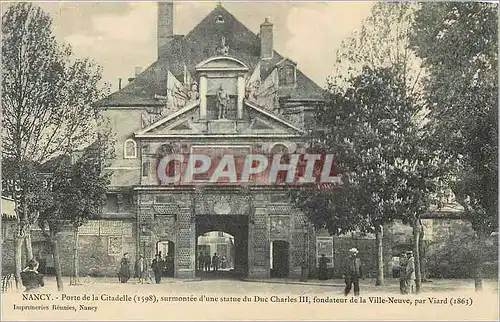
222, 100
223, 49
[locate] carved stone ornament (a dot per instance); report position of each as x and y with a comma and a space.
222, 207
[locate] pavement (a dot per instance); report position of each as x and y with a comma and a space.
391, 285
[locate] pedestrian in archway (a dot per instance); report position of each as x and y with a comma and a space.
353, 272
124, 273
215, 262
223, 262
207, 262
201, 261
157, 268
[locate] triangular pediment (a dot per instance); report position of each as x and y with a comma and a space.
257, 122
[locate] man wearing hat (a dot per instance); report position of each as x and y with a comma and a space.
410, 273
353, 272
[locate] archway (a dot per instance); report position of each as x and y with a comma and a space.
228, 237
279, 258
215, 253
166, 250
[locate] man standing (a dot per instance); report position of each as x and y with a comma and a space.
410, 273
140, 268
157, 268
207, 262
215, 262
353, 272
201, 261
402, 273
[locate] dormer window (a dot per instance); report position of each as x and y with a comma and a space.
220, 19
130, 149
286, 76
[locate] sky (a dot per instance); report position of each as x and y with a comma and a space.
122, 35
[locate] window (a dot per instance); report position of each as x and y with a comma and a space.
286, 75
285, 158
130, 149
220, 19
145, 168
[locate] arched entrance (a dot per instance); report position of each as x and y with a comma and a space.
227, 236
215, 254
166, 250
279, 258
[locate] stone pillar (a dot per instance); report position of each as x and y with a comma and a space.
203, 97
258, 245
241, 96
186, 243
298, 250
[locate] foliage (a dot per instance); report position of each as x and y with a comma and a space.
47, 96
48, 114
76, 190
381, 42
458, 42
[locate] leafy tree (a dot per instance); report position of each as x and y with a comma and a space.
459, 45
47, 102
381, 43
77, 193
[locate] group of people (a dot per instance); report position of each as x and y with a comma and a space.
159, 267
353, 272
205, 263
407, 273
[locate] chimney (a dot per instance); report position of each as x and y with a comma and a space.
165, 26
119, 83
266, 40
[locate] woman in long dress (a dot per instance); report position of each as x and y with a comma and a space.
124, 273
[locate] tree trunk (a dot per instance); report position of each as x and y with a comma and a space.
18, 248
416, 254
29, 247
57, 261
422, 253
76, 268
478, 278
379, 236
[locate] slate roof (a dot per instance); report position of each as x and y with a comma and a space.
198, 45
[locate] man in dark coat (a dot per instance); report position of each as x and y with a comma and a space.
353, 272
207, 262
322, 267
402, 274
124, 273
215, 262
30, 277
157, 269
201, 261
